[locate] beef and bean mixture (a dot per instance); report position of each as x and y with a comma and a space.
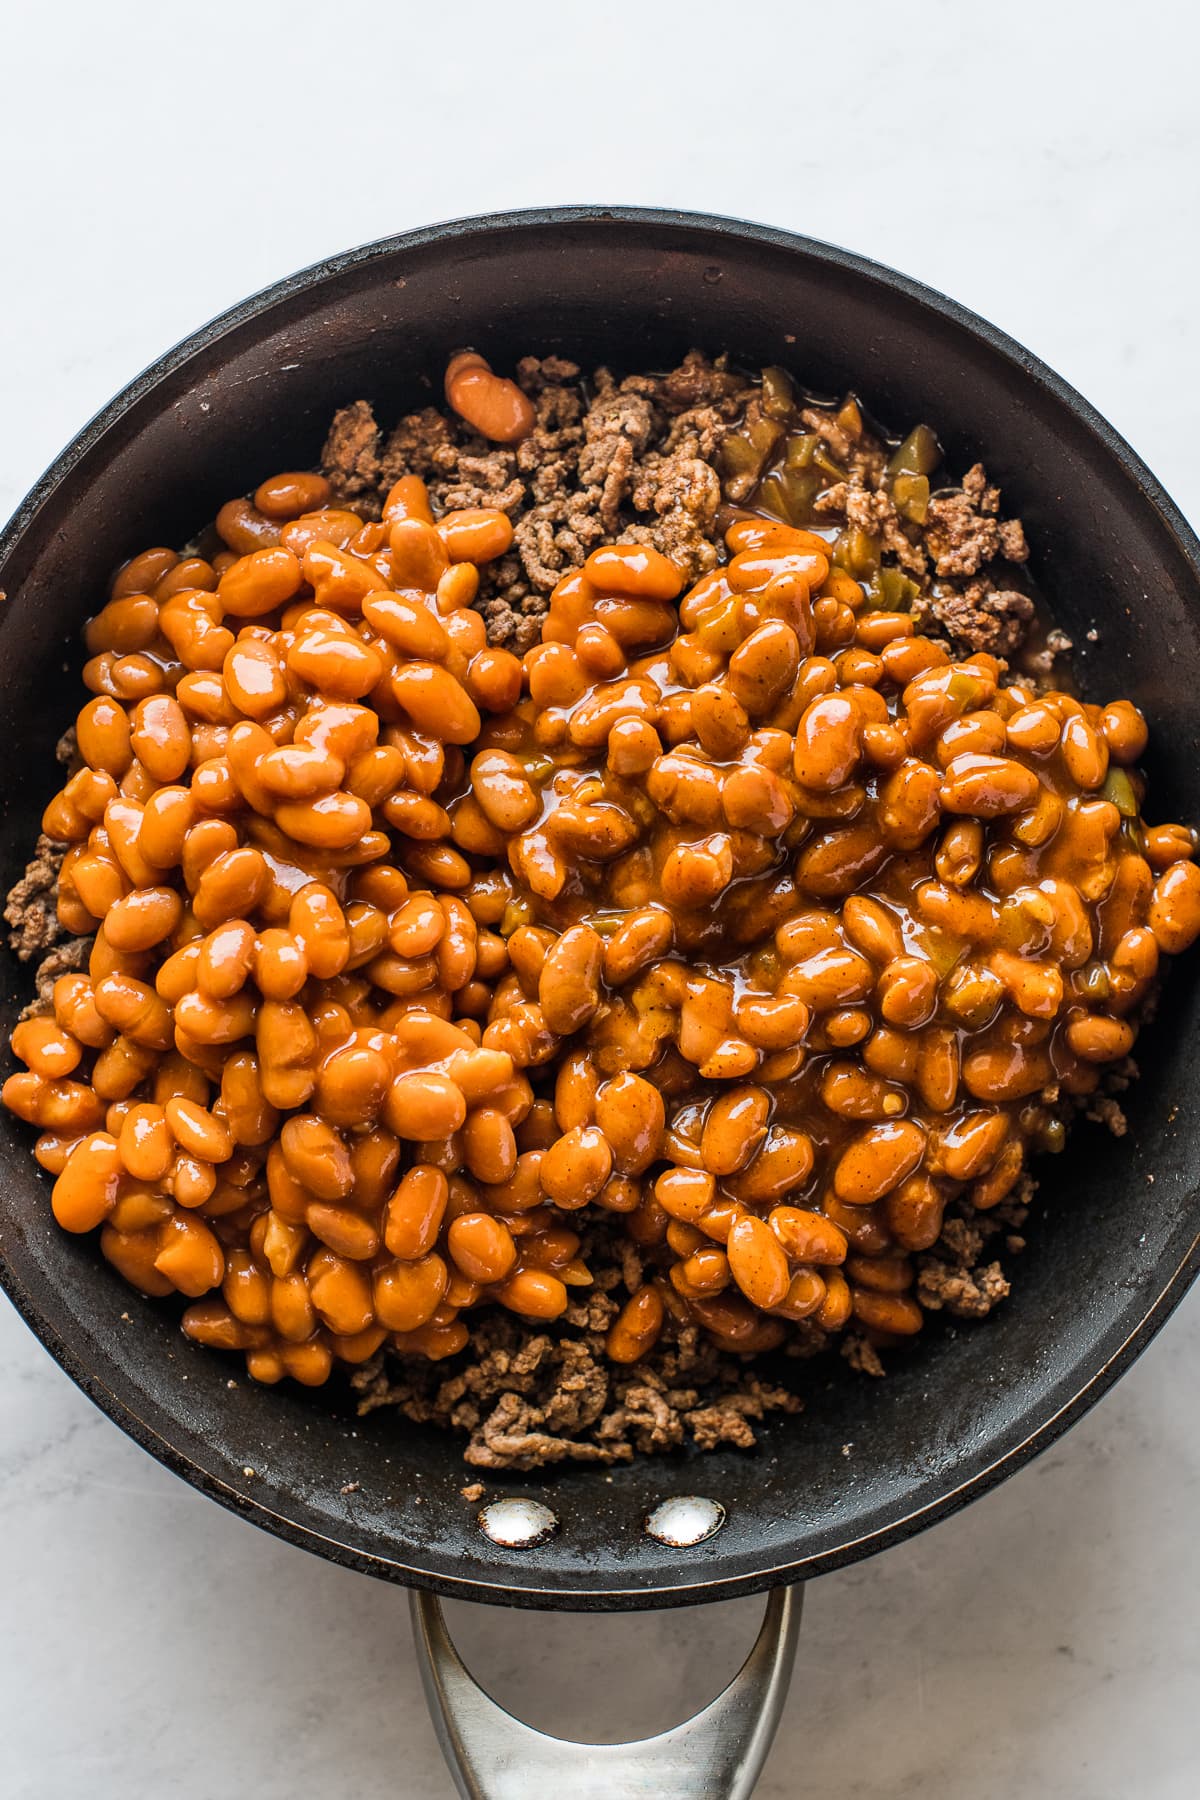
571, 899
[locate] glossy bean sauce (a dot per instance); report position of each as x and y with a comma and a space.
743, 920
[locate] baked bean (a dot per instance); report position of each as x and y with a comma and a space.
1099, 1040
807, 1237
482, 1247
1174, 915
198, 1131
987, 787
782, 1164
756, 1262
637, 1327
407, 1294
1124, 729
704, 1269
1084, 752
872, 928
436, 702
335, 662
893, 1313
631, 1116
424, 1105
573, 1171
189, 1255
86, 1191
475, 534
938, 1068
343, 1230
352, 1085
569, 985
908, 992
43, 1045
415, 1212
827, 742
772, 1022
142, 918
288, 496
160, 738
500, 785
250, 1117
134, 1009
534, 1294
878, 1161
734, 1129
259, 583
1005, 1073
493, 406
316, 1156
341, 1293
489, 1146
240, 525
103, 735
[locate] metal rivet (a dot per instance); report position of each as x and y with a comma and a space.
685, 1520
518, 1524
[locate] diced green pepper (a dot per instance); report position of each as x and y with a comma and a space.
856, 551
966, 690
745, 454
788, 494
849, 417
1053, 1136
919, 454
800, 449
516, 913
1092, 982
891, 591
771, 497
778, 394
823, 461
943, 950
910, 496
1119, 789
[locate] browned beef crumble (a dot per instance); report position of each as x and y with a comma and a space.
631, 460
527, 1397
639, 460
31, 908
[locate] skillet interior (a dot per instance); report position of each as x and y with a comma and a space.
1117, 1244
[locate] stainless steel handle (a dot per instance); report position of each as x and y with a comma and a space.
716, 1755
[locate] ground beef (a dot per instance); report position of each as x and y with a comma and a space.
969, 1291
638, 460
30, 909
66, 958
629, 460
982, 615
963, 530
527, 1397
352, 448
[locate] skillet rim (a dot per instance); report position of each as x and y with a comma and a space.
484, 1584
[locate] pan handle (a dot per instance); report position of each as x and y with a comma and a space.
716, 1755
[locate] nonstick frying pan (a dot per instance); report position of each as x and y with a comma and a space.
1112, 1249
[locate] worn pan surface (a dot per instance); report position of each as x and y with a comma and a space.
1116, 1244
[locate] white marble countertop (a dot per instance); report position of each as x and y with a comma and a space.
1036, 163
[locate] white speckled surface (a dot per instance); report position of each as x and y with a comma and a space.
1036, 163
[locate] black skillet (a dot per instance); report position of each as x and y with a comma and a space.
1115, 1245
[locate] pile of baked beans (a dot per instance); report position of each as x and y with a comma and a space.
749, 922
